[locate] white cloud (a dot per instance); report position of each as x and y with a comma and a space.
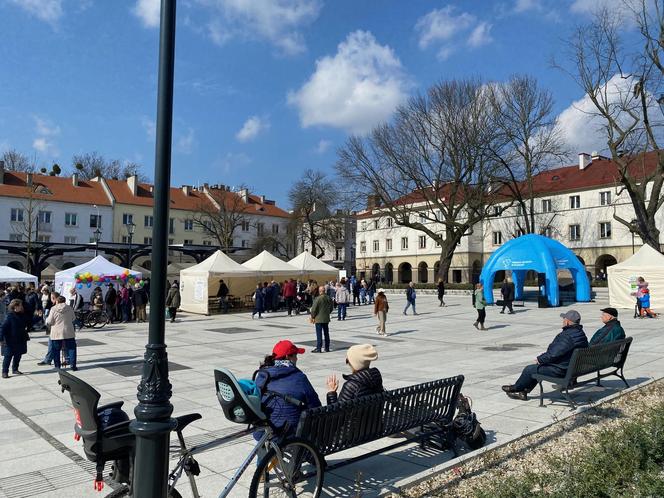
357, 88
49, 11
150, 128
251, 128
442, 25
481, 35
323, 146
148, 12
526, 5
187, 142
276, 21
232, 161
45, 132
44, 127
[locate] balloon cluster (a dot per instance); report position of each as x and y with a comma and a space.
87, 278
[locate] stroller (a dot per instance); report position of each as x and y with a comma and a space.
301, 303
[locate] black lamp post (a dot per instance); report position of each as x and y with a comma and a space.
153, 423
131, 228
97, 234
633, 229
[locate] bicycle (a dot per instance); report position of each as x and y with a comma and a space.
92, 318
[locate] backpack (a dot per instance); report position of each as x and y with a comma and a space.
466, 426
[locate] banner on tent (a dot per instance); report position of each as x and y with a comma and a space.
199, 290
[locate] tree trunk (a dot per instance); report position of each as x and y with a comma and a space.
445, 263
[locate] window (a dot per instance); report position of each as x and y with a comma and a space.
338, 254
363, 225
147, 241
546, 206
207, 242
148, 221
388, 244
363, 246
207, 224
17, 214
496, 211
95, 221
245, 226
15, 237
423, 218
423, 241
439, 214
260, 228
43, 238
171, 226
605, 230
70, 240
574, 202
44, 216
575, 232
376, 224
127, 219
390, 222
519, 210
125, 239
605, 198
376, 246
438, 243
275, 229
404, 243
188, 242
71, 219
497, 238
245, 243
188, 225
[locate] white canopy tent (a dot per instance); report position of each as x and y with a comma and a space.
269, 267
201, 281
313, 268
100, 269
646, 263
9, 274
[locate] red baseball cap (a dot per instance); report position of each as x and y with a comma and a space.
285, 348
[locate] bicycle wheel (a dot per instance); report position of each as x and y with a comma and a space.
123, 492
300, 474
98, 319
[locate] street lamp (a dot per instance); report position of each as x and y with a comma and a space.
131, 228
97, 234
633, 229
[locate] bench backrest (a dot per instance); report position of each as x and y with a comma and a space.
597, 357
347, 424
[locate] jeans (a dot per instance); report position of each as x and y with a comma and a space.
341, 310
126, 312
13, 359
49, 354
370, 295
525, 382
70, 347
408, 305
322, 328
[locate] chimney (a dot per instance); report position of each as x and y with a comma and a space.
132, 181
28, 179
262, 199
74, 180
595, 155
584, 160
2, 172
244, 193
186, 189
373, 201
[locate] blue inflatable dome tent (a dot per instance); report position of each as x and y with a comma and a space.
540, 254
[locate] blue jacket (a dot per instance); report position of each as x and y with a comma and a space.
645, 300
285, 380
560, 350
260, 299
13, 335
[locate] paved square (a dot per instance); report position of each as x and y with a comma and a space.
41, 458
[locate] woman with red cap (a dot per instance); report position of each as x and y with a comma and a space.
286, 390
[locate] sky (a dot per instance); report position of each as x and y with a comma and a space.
264, 89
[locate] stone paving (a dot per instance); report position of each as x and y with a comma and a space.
41, 458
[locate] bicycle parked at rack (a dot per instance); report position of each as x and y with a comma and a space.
288, 467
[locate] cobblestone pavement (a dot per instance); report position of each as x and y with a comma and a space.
41, 458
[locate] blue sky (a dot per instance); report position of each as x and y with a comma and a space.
264, 88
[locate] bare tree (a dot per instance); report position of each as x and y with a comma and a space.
16, 161
431, 168
623, 80
528, 142
93, 164
314, 200
279, 244
220, 220
26, 224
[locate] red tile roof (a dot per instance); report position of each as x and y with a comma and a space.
54, 188
144, 197
253, 206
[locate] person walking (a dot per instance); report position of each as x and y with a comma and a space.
222, 294
371, 291
641, 285
320, 316
411, 295
13, 338
290, 290
140, 299
173, 300
441, 292
259, 300
342, 297
507, 291
61, 320
381, 307
480, 305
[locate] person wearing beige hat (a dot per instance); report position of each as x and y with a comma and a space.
363, 379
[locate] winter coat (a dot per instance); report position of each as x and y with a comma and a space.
411, 294
342, 295
111, 296
259, 299
507, 291
13, 335
612, 331
173, 298
480, 301
124, 296
285, 380
321, 309
32, 303
290, 289
645, 300
560, 350
78, 302
61, 321
223, 290
381, 304
362, 383
140, 297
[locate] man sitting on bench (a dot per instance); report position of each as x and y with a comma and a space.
555, 360
612, 330
362, 381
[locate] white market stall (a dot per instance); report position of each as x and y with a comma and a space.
312, 268
97, 272
646, 263
11, 275
270, 267
201, 281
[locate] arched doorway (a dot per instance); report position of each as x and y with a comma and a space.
68, 265
17, 265
405, 273
604, 261
475, 271
375, 272
389, 273
423, 273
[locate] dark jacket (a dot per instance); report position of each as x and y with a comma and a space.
78, 302
173, 298
560, 350
111, 296
140, 297
362, 383
612, 331
13, 335
507, 290
259, 299
285, 380
410, 294
223, 290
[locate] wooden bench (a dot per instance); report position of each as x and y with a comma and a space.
590, 360
430, 407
